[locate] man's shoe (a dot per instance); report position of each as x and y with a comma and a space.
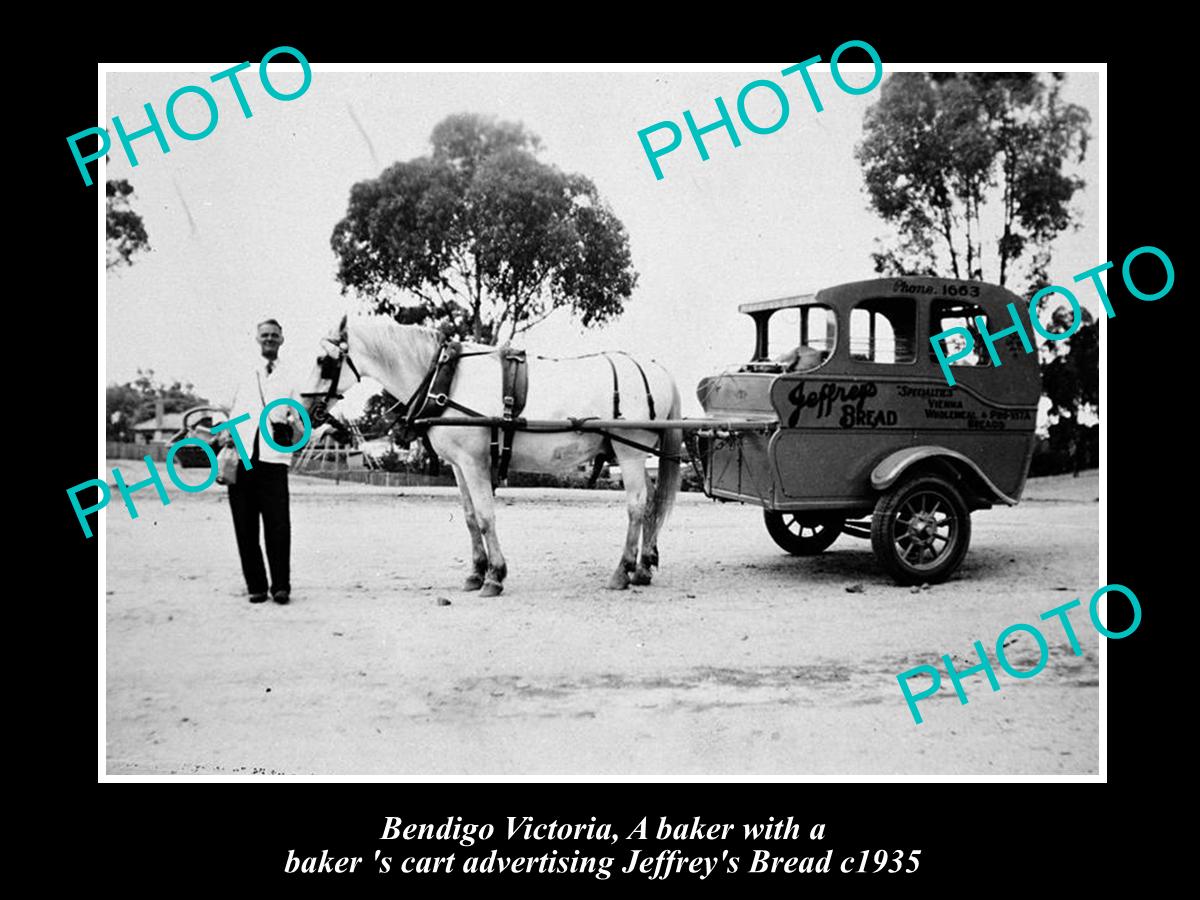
258, 598
281, 597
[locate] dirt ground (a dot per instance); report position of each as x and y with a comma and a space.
738, 661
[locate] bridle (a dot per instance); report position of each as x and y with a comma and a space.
423, 397
331, 364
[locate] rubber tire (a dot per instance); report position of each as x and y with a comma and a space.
798, 545
883, 543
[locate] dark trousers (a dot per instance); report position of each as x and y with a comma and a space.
262, 492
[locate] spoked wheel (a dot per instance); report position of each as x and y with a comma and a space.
921, 530
803, 534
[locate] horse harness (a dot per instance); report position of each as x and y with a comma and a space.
616, 384
432, 396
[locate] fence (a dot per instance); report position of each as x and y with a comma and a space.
124, 450
382, 479
337, 465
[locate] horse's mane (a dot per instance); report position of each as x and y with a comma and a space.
384, 341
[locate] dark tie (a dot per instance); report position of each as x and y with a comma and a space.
254, 452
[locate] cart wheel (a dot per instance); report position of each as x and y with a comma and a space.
800, 534
921, 530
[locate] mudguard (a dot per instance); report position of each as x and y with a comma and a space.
889, 470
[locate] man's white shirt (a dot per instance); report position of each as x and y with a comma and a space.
248, 398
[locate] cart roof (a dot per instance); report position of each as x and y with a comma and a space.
920, 287
777, 303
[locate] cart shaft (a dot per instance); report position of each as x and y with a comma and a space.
561, 425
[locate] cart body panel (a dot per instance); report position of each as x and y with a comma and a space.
872, 395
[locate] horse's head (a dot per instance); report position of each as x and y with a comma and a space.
330, 375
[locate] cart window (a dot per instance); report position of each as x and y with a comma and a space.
818, 328
783, 331
947, 314
884, 331
802, 337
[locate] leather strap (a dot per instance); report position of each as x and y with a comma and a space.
645, 382
513, 390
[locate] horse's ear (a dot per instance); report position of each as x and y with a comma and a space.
342, 324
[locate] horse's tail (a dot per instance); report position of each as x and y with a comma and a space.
667, 485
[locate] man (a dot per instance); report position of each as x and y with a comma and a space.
261, 491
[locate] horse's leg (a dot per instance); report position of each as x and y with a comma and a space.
648, 558
479, 558
633, 474
478, 478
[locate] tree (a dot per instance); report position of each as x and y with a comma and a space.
938, 148
381, 416
481, 238
135, 401
1071, 382
124, 229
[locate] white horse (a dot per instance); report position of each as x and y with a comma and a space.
400, 356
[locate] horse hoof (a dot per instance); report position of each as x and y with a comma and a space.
473, 583
619, 582
641, 577
491, 589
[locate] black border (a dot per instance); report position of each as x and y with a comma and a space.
226, 836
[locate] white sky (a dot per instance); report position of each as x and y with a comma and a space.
785, 213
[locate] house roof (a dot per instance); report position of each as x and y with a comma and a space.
170, 422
